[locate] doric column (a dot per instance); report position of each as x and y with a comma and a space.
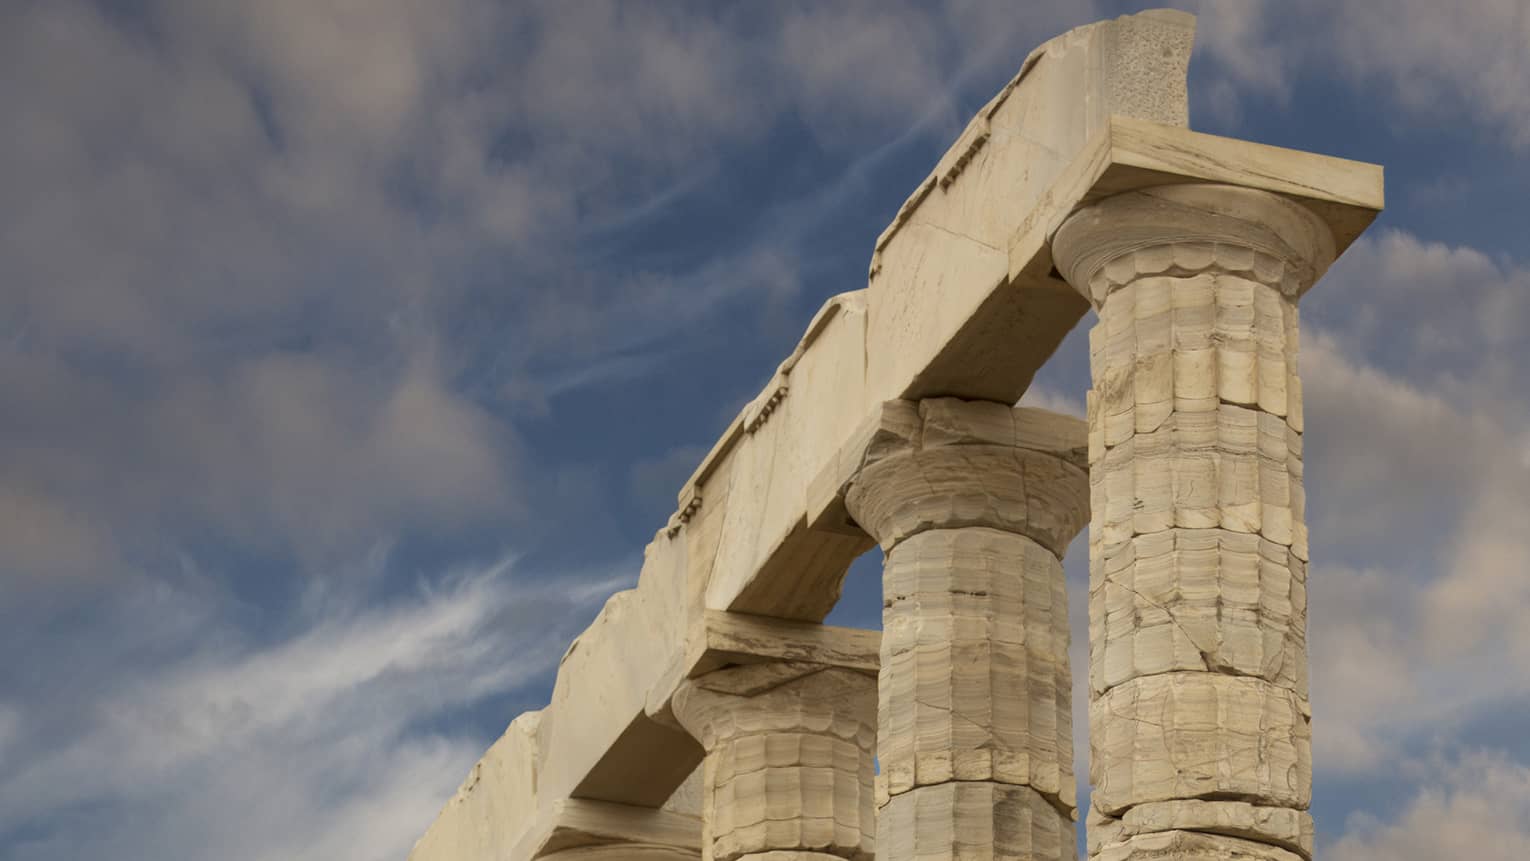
1199, 720
789, 769
973, 504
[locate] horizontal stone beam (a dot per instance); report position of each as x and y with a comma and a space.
1132, 155
940, 315
961, 301
798, 555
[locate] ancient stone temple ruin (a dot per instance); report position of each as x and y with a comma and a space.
709, 714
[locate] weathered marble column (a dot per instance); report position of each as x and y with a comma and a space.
973, 504
789, 770
1199, 721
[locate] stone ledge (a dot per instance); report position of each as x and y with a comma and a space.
575, 823
720, 639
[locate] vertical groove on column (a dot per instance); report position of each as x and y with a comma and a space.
1198, 545
974, 680
1198, 671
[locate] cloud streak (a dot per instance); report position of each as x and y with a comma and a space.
324, 743
279, 290
1476, 807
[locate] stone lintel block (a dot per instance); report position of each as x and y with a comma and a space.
976, 821
951, 421
1192, 846
1279, 826
986, 334
767, 561
495, 805
943, 317
974, 331
1129, 156
719, 639
595, 738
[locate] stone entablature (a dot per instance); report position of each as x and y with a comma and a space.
892, 423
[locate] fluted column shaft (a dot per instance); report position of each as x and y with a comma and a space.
790, 759
1199, 719
973, 504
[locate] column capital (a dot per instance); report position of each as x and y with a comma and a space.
579, 829
762, 698
1188, 229
945, 463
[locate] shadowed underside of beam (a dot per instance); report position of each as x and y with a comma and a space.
962, 301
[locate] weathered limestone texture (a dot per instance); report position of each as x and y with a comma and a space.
946, 311
622, 852
790, 760
1198, 543
974, 504
494, 806
891, 422
947, 315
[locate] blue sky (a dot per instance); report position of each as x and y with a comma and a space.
352, 351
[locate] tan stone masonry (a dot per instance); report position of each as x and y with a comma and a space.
973, 504
1198, 543
707, 712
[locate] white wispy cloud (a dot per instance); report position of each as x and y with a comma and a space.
1477, 806
1437, 63
1416, 482
249, 255
324, 743
287, 450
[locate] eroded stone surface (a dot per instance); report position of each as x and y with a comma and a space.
1199, 735
1192, 846
789, 766
934, 269
974, 819
975, 681
1198, 545
974, 505
963, 299
1280, 826
494, 806
960, 464
1198, 600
